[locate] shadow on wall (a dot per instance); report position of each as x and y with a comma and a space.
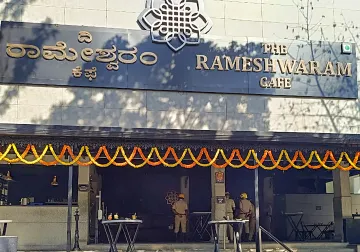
147, 109
14, 10
127, 109
325, 115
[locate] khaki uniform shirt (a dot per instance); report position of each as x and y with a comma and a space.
180, 207
245, 206
230, 206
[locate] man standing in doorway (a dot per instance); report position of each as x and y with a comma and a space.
230, 208
180, 209
245, 208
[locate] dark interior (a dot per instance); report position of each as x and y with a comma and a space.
142, 191
35, 181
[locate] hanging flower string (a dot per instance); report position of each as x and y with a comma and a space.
102, 158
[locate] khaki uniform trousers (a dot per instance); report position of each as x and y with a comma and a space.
246, 225
229, 229
180, 220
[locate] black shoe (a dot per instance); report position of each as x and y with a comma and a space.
176, 237
184, 238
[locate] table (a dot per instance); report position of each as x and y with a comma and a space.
201, 223
322, 228
123, 226
236, 224
4, 222
294, 225
356, 216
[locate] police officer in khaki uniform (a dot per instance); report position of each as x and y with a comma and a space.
230, 208
180, 209
252, 222
245, 211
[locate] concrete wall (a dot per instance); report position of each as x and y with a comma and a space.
307, 203
39, 227
240, 20
44, 227
354, 185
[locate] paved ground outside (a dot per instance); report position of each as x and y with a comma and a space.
208, 247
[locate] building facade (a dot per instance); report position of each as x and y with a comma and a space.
237, 26
241, 21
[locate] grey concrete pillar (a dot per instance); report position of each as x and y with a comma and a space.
96, 184
341, 202
268, 191
83, 204
184, 188
218, 198
268, 198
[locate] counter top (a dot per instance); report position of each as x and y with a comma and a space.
74, 205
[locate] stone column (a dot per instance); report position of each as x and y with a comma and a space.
268, 191
341, 202
83, 204
184, 188
96, 184
218, 199
268, 198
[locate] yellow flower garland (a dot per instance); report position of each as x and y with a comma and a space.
139, 165
167, 164
204, 165
178, 160
102, 165
75, 160
299, 167
265, 167
324, 164
239, 165
3, 156
37, 160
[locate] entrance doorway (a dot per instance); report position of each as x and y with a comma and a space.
148, 193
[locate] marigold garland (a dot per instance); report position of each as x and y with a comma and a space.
262, 160
314, 167
178, 160
286, 167
116, 163
37, 159
203, 158
15, 160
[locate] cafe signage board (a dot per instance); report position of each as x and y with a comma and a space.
45, 54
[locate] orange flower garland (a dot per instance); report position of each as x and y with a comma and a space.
203, 154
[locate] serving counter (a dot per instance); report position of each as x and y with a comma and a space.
40, 227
